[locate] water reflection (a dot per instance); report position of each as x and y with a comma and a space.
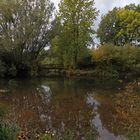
45, 93
83, 107
104, 133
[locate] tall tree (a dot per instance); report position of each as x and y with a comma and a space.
121, 26
77, 19
24, 29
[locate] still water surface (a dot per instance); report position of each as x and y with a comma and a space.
82, 106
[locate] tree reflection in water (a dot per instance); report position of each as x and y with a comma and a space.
59, 111
103, 132
79, 107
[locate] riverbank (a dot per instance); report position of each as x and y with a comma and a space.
87, 73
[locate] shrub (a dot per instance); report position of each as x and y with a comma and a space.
12, 71
114, 60
7, 132
12, 84
2, 69
3, 111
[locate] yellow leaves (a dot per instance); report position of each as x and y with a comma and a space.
99, 53
105, 52
129, 20
120, 26
127, 106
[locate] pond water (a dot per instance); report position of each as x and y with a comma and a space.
81, 106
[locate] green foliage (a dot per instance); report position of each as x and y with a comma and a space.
3, 111
2, 69
108, 27
12, 84
120, 26
85, 59
133, 135
7, 132
110, 72
12, 71
25, 31
70, 135
113, 61
46, 137
75, 19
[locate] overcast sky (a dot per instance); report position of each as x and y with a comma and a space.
105, 5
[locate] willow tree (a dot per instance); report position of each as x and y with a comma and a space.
77, 19
24, 30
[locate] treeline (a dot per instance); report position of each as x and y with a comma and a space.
33, 34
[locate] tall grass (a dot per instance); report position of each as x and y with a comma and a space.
7, 131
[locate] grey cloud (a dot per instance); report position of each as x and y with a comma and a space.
106, 5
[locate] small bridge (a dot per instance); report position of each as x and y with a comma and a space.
53, 67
